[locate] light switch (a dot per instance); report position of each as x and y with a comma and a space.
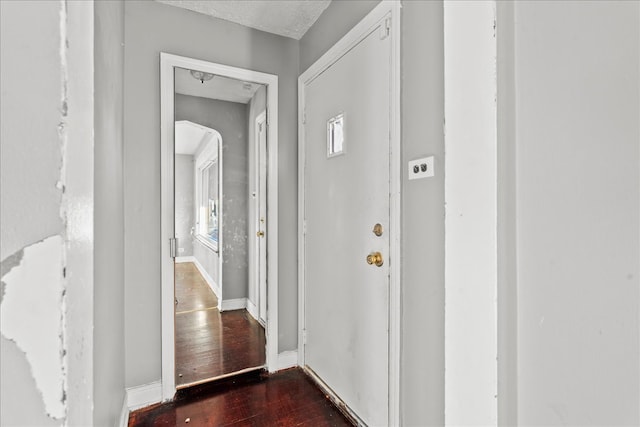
421, 168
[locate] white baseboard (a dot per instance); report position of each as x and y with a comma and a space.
207, 278
124, 413
180, 259
253, 310
233, 304
287, 359
144, 395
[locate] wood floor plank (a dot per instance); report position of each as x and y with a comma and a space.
287, 398
192, 291
210, 343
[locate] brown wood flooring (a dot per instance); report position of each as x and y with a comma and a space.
210, 344
287, 398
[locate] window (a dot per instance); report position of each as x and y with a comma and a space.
208, 202
208, 193
335, 136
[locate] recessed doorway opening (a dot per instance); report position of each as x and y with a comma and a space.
219, 221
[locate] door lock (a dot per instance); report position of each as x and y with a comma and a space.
377, 230
260, 234
375, 258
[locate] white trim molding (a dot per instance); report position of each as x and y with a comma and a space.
183, 259
471, 268
355, 35
124, 412
253, 310
144, 395
167, 90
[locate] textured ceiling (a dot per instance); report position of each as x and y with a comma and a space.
288, 18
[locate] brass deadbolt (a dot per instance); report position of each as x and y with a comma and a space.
377, 230
375, 258
260, 234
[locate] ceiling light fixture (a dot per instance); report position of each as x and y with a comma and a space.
201, 75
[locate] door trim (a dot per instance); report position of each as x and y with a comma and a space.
354, 36
167, 64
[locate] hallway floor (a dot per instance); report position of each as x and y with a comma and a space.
210, 343
287, 398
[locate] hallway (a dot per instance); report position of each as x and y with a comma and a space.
210, 343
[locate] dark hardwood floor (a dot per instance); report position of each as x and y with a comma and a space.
287, 398
209, 343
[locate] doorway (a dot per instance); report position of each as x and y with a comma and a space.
208, 302
349, 210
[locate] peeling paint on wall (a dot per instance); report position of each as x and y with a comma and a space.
31, 313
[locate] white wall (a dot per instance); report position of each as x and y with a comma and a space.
471, 210
578, 179
47, 213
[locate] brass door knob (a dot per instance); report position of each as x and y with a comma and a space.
260, 234
375, 258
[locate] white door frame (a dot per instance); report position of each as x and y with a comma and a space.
260, 285
167, 64
355, 35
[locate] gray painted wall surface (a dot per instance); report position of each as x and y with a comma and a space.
230, 119
184, 193
422, 352
577, 178
108, 353
150, 28
29, 201
507, 247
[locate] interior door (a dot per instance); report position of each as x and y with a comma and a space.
346, 194
261, 245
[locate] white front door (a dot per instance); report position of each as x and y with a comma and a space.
347, 188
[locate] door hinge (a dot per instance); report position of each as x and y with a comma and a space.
172, 247
304, 116
304, 226
304, 336
386, 29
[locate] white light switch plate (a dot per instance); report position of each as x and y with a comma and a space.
421, 168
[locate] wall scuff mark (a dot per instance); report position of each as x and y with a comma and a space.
30, 316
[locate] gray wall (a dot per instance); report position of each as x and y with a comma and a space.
577, 178
422, 376
422, 371
507, 247
230, 119
108, 353
150, 28
185, 210
29, 202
